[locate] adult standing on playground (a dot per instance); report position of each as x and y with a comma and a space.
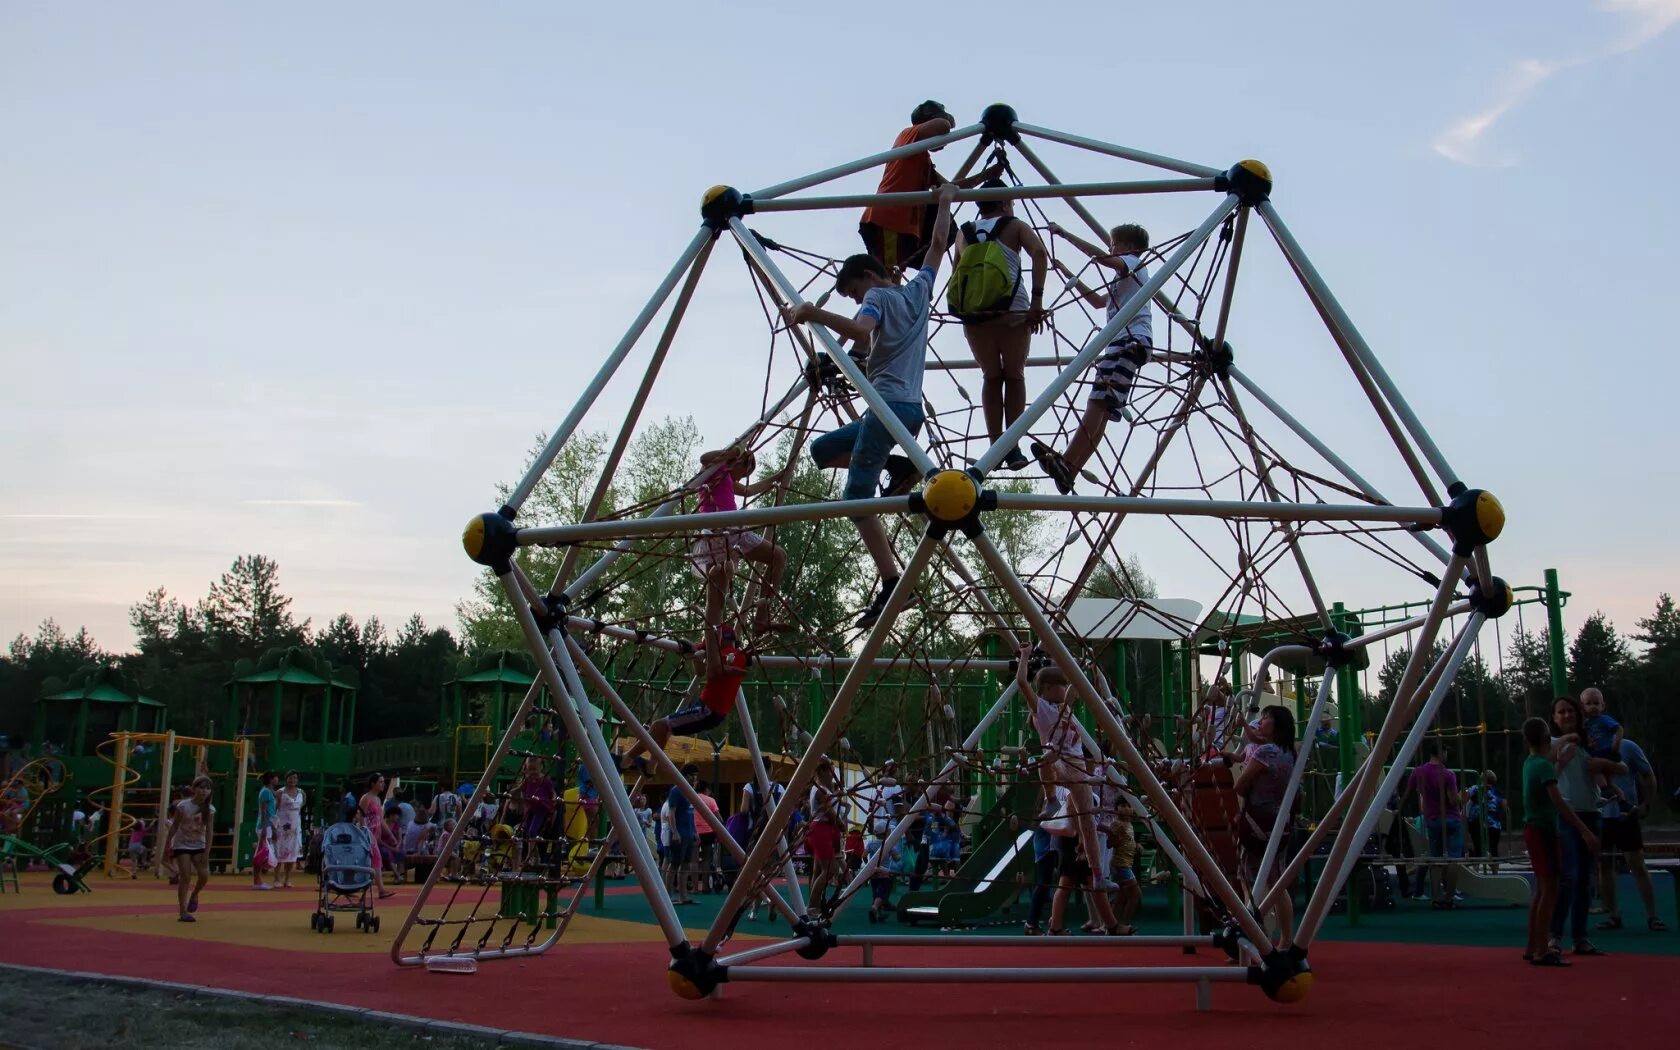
372, 807
1575, 785
262, 859
897, 235
288, 829
1441, 804
1623, 834
1260, 788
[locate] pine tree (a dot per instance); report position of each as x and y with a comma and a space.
1598, 654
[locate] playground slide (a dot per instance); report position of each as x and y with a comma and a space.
1507, 888
987, 880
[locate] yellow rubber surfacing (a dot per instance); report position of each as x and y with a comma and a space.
231, 912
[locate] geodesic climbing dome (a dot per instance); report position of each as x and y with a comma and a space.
1211, 464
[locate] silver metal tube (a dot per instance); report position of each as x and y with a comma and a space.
1000, 193
1201, 171
761, 784
629, 528
1328, 453
663, 761
1139, 300
670, 506
1363, 792
656, 361
1398, 629
1262, 510
927, 145
989, 975
884, 415
910, 940
1237, 239
821, 740
563, 432
764, 951
572, 709
1344, 326
1265, 667
924, 801
1330, 885
1194, 850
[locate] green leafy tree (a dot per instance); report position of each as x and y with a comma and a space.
1597, 656
246, 613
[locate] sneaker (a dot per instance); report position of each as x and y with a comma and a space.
878, 606
186, 918
1055, 467
1015, 460
901, 477
1032, 929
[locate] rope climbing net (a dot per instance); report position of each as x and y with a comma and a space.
998, 567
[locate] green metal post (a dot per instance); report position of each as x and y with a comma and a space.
989, 739
1554, 634
1350, 728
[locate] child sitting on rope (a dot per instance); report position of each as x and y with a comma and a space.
1118, 366
725, 666
714, 553
893, 325
1067, 773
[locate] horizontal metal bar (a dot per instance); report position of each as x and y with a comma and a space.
998, 193
1401, 628
764, 951
1124, 153
910, 940
1259, 509
927, 145
990, 974
624, 528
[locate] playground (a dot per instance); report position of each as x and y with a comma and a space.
1383, 979
1129, 554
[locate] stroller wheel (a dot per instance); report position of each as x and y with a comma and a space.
361, 919
373, 924
327, 924
315, 920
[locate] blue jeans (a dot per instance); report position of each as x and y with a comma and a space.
868, 443
1446, 836
1575, 870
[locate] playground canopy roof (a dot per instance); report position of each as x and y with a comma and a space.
294, 676
104, 693
1147, 619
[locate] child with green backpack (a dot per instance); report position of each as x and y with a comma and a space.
987, 295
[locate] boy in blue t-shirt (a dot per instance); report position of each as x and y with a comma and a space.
892, 326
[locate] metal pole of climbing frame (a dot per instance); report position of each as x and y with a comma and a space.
241, 762
1554, 634
166, 774
999, 193
119, 771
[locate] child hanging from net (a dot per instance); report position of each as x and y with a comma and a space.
1125, 354
725, 664
714, 552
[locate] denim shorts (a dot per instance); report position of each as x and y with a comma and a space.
869, 443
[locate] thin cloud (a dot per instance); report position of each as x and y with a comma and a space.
1462, 142
299, 503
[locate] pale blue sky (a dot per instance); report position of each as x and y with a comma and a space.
307, 282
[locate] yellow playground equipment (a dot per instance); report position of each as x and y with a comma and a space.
30, 784
126, 794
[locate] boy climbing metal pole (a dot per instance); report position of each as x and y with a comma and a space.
892, 324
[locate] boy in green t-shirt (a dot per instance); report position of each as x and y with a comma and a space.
1542, 807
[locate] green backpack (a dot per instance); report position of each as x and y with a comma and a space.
981, 285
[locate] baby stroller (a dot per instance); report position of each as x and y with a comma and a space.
346, 878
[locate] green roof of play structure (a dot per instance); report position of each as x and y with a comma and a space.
295, 665
105, 684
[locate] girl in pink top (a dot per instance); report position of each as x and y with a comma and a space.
714, 551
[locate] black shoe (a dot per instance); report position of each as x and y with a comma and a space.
878, 606
1015, 460
901, 477
1054, 466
